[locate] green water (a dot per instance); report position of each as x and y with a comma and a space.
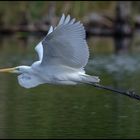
82, 111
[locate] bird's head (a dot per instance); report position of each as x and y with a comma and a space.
18, 69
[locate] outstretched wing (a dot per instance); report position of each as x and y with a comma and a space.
39, 47
66, 45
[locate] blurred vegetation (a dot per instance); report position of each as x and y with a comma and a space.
37, 9
11, 14
11, 11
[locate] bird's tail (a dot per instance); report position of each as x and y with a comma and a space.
90, 79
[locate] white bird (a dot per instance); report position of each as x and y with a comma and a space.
63, 54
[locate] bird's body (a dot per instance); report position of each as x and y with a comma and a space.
62, 75
63, 54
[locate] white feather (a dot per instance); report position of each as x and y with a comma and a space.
66, 45
29, 81
39, 50
50, 30
72, 21
67, 19
61, 20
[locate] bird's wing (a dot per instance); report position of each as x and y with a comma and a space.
66, 45
39, 50
39, 47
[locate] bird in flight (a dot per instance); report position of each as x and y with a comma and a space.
63, 53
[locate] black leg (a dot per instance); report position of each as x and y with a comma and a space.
130, 94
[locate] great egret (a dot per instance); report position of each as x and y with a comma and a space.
63, 54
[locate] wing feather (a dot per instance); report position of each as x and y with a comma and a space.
50, 30
39, 47
66, 45
67, 19
39, 50
72, 21
61, 20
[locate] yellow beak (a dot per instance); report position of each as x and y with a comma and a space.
10, 70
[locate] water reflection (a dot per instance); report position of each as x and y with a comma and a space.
49, 111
